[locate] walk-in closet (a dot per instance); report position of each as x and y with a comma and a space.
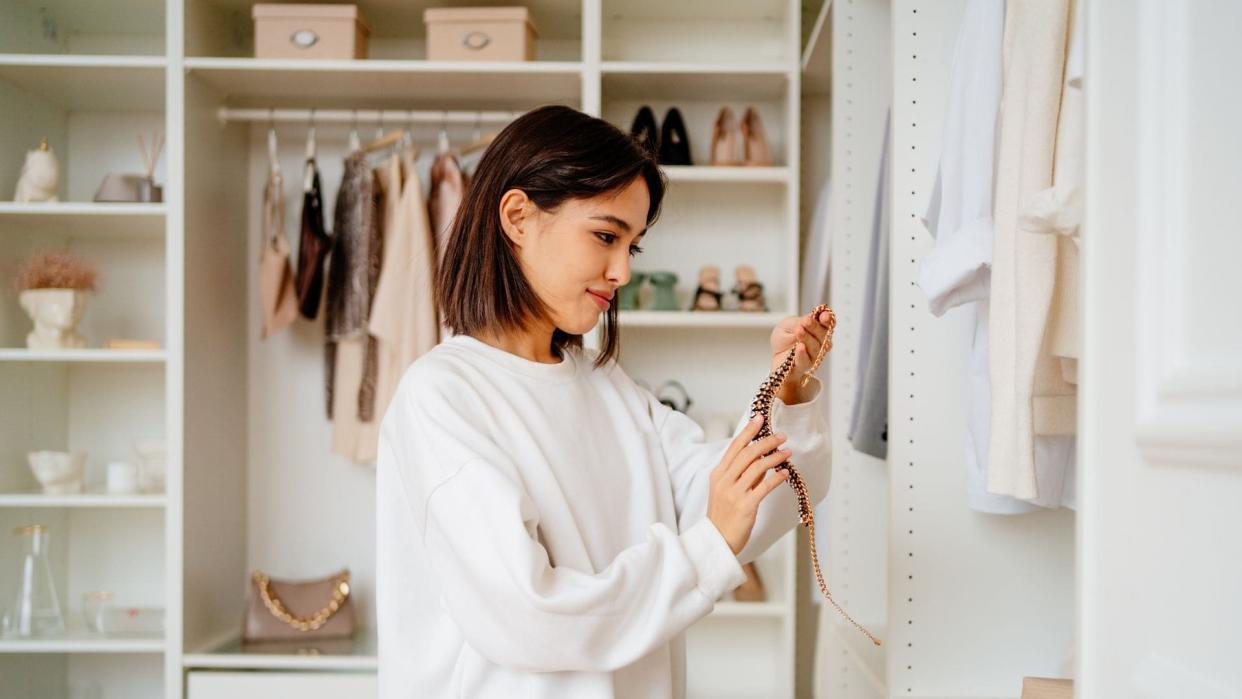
173, 437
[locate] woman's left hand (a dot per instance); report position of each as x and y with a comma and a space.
808, 334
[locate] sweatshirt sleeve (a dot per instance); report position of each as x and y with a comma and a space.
512, 603
691, 460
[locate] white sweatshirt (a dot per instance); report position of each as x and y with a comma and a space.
542, 532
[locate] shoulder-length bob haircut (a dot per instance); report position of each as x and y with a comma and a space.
553, 154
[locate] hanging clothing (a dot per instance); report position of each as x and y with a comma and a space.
543, 526
1029, 396
355, 425
955, 270
353, 272
869, 420
313, 246
1058, 210
448, 189
403, 313
815, 262
276, 293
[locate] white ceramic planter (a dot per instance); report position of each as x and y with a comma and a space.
56, 314
59, 472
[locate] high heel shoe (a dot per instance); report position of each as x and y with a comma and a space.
707, 297
749, 291
674, 143
645, 131
755, 140
726, 139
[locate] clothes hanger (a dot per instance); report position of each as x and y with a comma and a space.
480, 141
354, 142
308, 175
444, 139
273, 161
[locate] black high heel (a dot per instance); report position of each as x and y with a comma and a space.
645, 131
674, 143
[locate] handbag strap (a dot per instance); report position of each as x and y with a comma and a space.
340, 593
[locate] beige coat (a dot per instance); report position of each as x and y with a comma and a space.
1029, 395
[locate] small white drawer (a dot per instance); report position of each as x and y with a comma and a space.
265, 684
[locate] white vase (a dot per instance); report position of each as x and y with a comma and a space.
59, 472
55, 313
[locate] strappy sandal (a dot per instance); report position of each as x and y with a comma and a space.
707, 296
749, 291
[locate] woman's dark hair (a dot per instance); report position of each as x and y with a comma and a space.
553, 154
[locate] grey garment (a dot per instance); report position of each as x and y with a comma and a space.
869, 419
353, 273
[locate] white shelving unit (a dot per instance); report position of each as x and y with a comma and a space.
251, 482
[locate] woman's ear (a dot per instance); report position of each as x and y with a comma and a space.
515, 210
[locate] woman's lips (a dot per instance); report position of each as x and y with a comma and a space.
603, 302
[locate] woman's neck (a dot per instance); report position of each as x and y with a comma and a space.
534, 346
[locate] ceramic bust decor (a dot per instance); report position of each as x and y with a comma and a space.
40, 178
53, 287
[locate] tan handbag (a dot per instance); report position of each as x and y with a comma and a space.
278, 610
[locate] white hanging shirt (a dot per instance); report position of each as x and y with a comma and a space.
956, 270
541, 527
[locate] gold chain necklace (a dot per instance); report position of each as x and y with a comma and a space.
762, 405
340, 592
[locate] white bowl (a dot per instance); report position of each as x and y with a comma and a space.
59, 472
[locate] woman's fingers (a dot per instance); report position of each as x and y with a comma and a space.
757, 468
739, 443
767, 485
759, 448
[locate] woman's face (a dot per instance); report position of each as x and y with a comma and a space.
577, 256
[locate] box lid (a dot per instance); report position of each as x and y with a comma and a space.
271, 10
476, 14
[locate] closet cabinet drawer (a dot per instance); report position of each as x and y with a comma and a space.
210, 684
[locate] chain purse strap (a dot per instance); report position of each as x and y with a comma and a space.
340, 593
762, 405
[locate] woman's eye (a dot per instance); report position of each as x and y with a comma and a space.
608, 239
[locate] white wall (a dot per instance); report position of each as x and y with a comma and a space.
1160, 559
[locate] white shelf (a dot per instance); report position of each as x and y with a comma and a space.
13, 354
84, 219
699, 319
762, 610
333, 654
256, 82
96, 83
81, 500
731, 174
82, 642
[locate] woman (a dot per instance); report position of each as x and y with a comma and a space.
546, 527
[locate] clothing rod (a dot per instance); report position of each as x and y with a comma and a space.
396, 117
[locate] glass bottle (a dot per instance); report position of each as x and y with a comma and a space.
36, 612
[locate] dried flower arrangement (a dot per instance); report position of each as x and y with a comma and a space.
55, 269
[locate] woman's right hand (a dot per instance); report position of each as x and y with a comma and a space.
738, 484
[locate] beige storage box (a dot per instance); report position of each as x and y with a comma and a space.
479, 34
309, 31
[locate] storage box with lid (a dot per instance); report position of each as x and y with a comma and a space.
480, 34
309, 31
